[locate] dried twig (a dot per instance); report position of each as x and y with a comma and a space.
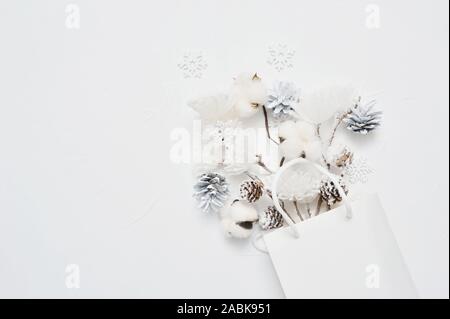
260, 163
318, 130
253, 177
339, 121
324, 159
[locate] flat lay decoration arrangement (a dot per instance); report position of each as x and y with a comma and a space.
293, 203
293, 124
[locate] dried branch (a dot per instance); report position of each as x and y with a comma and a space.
260, 163
282, 161
339, 121
318, 130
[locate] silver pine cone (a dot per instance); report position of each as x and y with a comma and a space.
211, 191
361, 119
251, 190
329, 192
270, 219
282, 100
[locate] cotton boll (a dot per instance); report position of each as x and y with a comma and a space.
287, 130
257, 91
290, 149
240, 211
299, 139
248, 95
235, 230
239, 219
313, 151
244, 109
325, 103
306, 131
300, 130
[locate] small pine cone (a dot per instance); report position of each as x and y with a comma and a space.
344, 159
329, 192
251, 190
270, 219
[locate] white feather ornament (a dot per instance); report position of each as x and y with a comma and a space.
246, 97
321, 105
212, 107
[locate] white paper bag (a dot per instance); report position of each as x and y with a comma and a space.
337, 257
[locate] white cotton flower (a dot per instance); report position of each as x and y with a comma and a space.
234, 230
321, 105
240, 211
291, 149
248, 94
238, 220
243, 108
299, 139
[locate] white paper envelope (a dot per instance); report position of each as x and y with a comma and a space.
339, 258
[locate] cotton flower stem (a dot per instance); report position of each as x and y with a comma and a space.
266, 124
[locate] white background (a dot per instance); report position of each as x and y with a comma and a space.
86, 116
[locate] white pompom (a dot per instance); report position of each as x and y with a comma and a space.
322, 105
239, 219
